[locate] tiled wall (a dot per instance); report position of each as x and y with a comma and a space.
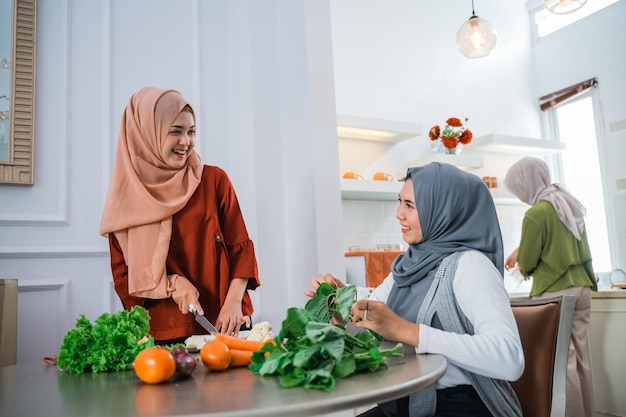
510, 218
368, 222
374, 222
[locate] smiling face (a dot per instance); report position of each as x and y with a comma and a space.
407, 214
180, 140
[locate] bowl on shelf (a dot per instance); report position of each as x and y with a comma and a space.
618, 278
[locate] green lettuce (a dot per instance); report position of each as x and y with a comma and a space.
111, 344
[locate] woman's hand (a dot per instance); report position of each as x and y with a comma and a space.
511, 260
321, 278
379, 318
184, 293
231, 318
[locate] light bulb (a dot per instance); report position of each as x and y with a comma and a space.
476, 38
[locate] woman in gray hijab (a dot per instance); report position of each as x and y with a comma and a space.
446, 295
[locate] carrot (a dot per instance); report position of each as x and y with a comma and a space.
240, 357
234, 342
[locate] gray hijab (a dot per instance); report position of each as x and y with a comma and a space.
456, 213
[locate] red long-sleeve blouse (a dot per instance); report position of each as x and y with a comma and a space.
209, 246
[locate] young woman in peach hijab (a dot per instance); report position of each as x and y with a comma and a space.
176, 233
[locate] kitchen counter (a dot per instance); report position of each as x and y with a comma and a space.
606, 346
602, 293
609, 293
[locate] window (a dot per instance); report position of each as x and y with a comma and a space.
547, 22
580, 169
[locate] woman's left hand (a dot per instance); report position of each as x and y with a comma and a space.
230, 319
379, 318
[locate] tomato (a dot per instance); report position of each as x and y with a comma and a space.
215, 355
154, 365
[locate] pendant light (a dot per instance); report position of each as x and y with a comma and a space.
476, 37
563, 6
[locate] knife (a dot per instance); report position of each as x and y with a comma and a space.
204, 322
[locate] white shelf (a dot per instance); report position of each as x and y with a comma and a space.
370, 189
515, 145
465, 162
380, 130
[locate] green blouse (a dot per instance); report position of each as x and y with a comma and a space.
551, 254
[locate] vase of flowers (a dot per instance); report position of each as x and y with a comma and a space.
452, 138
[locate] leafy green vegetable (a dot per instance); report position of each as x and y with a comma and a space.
311, 352
332, 302
109, 345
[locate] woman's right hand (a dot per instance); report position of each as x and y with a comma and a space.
321, 278
381, 319
185, 294
511, 260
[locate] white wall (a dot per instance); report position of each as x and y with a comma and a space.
259, 75
398, 60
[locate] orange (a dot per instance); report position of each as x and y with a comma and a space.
215, 355
154, 365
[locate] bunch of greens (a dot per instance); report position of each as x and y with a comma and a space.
109, 345
311, 352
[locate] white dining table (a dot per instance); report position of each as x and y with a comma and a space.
37, 389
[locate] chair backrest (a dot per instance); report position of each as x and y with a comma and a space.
8, 322
545, 328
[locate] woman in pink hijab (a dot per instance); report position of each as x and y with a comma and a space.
553, 250
176, 232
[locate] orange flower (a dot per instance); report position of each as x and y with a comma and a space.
453, 121
466, 137
450, 141
434, 133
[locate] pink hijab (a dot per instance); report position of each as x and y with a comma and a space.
144, 192
529, 180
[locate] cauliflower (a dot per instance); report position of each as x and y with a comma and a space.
261, 331
197, 341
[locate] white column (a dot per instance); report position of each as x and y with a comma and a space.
273, 128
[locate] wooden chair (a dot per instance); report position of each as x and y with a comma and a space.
8, 322
545, 328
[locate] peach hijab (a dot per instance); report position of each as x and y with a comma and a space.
144, 192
